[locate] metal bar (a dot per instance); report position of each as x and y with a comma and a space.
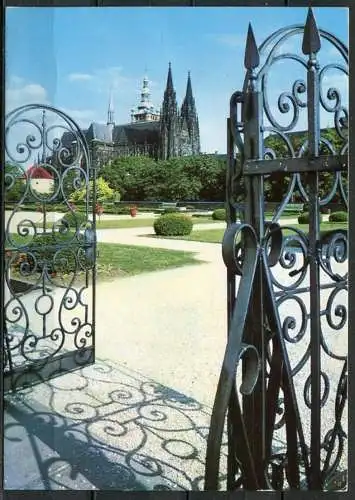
232, 467
254, 405
330, 163
315, 480
232, 353
93, 171
2, 234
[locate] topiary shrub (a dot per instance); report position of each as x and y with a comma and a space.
304, 218
173, 225
73, 220
219, 214
338, 217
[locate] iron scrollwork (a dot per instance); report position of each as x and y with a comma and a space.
50, 246
296, 279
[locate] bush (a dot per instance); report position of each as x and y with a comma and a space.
304, 218
173, 225
219, 214
338, 217
170, 210
74, 219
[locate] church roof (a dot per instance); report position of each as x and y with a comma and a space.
137, 132
100, 132
36, 172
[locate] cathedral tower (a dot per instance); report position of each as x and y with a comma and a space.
145, 111
169, 121
189, 127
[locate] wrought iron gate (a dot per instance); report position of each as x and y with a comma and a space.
288, 319
50, 247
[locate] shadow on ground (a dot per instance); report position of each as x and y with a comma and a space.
104, 427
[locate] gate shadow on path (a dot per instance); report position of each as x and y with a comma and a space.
104, 427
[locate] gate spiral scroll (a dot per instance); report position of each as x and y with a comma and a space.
287, 286
50, 247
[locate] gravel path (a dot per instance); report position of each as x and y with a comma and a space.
171, 326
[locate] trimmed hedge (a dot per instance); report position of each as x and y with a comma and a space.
338, 217
304, 218
173, 225
219, 214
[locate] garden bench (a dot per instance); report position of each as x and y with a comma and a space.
164, 206
293, 208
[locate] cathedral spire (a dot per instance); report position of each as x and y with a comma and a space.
189, 96
169, 120
169, 102
189, 118
169, 82
110, 111
188, 106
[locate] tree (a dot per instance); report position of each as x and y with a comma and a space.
129, 175
276, 185
14, 183
103, 192
210, 172
182, 178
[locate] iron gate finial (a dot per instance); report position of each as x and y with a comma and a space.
311, 40
251, 58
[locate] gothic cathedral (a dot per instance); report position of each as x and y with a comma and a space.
160, 134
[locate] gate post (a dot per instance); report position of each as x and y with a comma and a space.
289, 299
311, 45
254, 404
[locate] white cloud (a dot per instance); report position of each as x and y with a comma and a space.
112, 77
81, 77
337, 80
83, 117
102, 79
18, 93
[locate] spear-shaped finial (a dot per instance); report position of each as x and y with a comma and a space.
311, 40
251, 57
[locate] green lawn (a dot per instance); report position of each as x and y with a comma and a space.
133, 222
116, 260
126, 260
216, 235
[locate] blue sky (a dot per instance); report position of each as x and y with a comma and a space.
70, 57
